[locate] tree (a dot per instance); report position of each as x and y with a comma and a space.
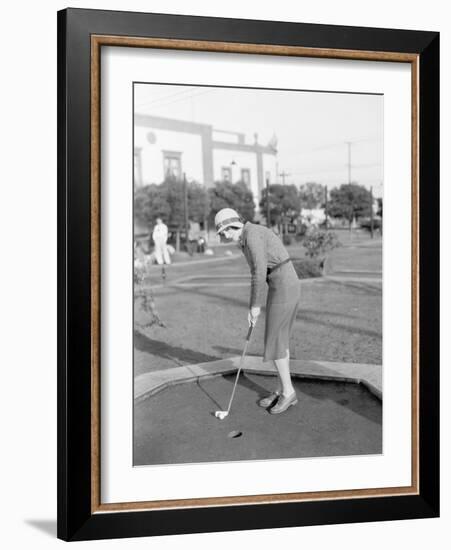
167, 201
150, 203
198, 202
380, 207
231, 195
312, 195
176, 200
350, 201
283, 202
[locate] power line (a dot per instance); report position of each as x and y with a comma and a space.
340, 143
336, 168
184, 98
165, 97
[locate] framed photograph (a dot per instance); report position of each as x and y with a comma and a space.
248, 274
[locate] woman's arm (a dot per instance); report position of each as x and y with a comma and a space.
257, 259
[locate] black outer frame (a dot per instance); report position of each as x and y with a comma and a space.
75, 520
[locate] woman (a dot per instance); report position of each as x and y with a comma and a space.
269, 264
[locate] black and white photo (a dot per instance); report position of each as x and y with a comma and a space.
256, 208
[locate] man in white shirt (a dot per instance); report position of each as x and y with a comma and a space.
160, 237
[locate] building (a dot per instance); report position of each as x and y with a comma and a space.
168, 147
313, 216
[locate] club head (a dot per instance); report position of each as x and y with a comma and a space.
221, 414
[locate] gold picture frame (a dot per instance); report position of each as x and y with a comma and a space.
82, 515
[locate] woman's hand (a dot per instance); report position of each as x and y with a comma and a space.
252, 317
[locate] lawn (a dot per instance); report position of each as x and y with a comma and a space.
336, 321
206, 319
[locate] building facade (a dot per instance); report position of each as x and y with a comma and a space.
167, 147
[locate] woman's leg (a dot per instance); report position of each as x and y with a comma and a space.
283, 370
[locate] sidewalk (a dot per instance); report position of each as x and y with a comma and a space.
199, 259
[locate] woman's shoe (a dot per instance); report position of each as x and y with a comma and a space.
283, 403
269, 399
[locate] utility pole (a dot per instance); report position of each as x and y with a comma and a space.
381, 207
372, 220
268, 221
349, 143
325, 206
185, 202
283, 175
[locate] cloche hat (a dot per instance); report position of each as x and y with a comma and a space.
225, 218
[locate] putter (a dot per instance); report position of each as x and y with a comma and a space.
222, 414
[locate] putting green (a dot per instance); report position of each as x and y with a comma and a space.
178, 425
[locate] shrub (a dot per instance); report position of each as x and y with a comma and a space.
318, 242
307, 267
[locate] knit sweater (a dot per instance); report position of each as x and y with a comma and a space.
263, 249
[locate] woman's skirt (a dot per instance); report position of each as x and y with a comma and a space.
281, 307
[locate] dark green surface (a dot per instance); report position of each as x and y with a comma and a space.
177, 425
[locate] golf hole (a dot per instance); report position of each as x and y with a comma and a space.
235, 434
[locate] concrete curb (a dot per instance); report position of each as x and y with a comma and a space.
350, 279
362, 271
369, 376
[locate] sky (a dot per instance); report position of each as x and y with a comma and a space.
316, 131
